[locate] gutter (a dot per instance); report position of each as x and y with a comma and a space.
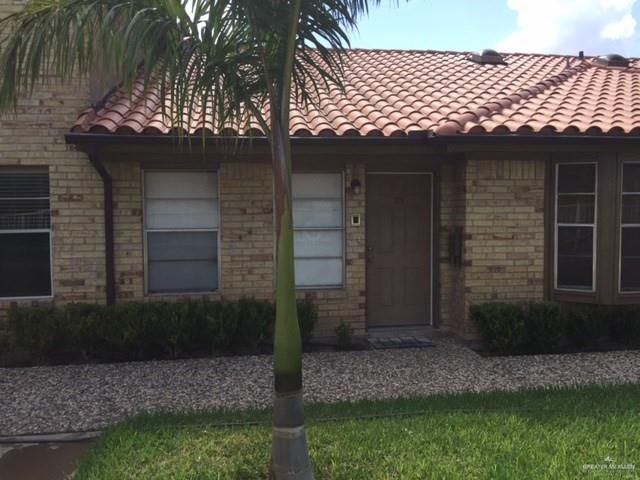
535, 139
418, 138
107, 183
195, 140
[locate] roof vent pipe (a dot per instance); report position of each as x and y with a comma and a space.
612, 60
487, 57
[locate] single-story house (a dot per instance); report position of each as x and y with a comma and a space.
437, 180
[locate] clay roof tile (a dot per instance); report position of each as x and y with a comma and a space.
389, 93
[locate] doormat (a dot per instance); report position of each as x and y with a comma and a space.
383, 343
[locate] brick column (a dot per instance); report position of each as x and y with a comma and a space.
246, 226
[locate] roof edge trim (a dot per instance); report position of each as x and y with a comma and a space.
506, 139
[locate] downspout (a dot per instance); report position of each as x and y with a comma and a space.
107, 183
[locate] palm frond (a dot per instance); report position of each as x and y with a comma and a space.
218, 62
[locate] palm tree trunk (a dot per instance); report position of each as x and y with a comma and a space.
289, 453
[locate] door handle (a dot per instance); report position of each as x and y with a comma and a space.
369, 255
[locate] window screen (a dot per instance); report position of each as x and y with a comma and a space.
181, 229
630, 228
576, 201
318, 229
25, 233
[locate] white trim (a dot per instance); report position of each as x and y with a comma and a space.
170, 230
10, 299
146, 231
577, 194
593, 226
587, 225
186, 293
431, 240
320, 288
399, 173
621, 227
319, 229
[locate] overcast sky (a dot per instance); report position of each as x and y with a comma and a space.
543, 26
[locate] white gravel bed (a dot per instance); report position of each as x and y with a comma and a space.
89, 397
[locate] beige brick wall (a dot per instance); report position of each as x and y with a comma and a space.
127, 229
504, 234
246, 230
33, 135
246, 242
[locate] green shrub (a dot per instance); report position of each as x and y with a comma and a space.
33, 330
147, 330
544, 325
624, 325
344, 335
307, 318
74, 324
501, 325
586, 324
121, 333
254, 317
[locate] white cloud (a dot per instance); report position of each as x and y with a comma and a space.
568, 26
623, 28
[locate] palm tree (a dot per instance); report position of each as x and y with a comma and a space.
231, 63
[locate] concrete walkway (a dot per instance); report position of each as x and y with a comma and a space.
52, 461
90, 397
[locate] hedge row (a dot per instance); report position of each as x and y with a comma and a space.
142, 331
542, 327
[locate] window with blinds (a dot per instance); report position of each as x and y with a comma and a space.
181, 231
630, 229
318, 223
576, 223
25, 233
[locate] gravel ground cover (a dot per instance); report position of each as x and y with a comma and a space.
89, 397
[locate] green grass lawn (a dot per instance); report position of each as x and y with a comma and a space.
545, 434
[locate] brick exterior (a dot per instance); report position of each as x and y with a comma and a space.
33, 135
246, 241
246, 230
127, 226
498, 202
501, 206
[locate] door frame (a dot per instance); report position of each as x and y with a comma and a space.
432, 248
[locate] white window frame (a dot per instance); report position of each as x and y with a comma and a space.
342, 229
146, 231
34, 230
593, 225
621, 227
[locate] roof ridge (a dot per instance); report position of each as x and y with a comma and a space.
498, 105
467, 52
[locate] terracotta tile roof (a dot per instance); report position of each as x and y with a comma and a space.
396, 93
